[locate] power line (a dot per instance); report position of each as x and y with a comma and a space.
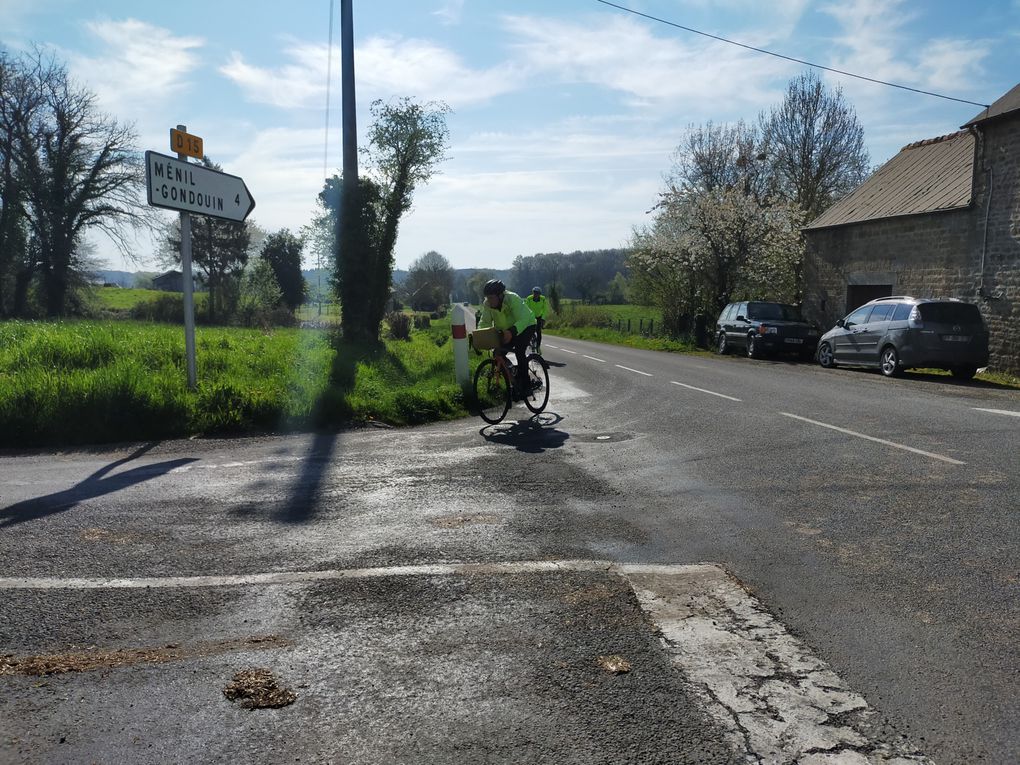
790, 58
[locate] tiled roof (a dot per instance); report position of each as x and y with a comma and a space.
1008, 103
927, 176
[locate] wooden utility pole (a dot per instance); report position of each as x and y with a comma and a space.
350, 124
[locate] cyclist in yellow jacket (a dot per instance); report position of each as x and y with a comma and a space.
539, 306
507, 312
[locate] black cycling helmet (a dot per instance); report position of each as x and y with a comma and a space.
494, 287
537, 290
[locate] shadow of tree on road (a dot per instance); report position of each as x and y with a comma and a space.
96, 485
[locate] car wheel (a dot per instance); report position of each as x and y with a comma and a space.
753, 348
890, 362
722, 346
964, 373
825, 356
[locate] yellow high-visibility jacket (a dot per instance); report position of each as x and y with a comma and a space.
538, 307
513, 315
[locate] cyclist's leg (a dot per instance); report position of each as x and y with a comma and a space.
539, 323
520, 348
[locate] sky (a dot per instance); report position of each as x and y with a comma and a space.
564, 114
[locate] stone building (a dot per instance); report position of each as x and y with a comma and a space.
940, 219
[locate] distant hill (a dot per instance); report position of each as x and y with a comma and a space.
127, 279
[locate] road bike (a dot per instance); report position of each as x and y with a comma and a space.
495, 386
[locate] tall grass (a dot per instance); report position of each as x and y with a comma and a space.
89, 382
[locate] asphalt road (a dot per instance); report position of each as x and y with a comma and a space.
874, 519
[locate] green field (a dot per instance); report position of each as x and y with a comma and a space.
120, 299
100, 381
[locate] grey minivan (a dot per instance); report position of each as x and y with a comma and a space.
897, 333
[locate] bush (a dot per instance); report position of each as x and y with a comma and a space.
584, 316
400, 325
422, 322
168, 309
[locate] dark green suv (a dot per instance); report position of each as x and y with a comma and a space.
760, 328
897, 333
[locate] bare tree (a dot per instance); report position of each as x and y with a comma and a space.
814, 145
80, 172
429, 281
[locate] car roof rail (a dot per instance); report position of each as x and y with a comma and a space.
894, 297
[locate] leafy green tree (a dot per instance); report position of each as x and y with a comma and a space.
282, 250
617, 292
259, 294
220, 249
406, 143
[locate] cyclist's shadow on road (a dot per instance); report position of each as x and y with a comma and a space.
534, 435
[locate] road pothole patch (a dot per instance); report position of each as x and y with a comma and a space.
90, 660
258, 688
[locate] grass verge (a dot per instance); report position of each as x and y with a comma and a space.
602, 335
99, 381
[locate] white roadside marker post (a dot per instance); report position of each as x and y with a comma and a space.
462, 320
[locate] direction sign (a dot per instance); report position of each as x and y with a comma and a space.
185, 143
179, 185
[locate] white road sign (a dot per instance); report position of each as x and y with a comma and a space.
185, 186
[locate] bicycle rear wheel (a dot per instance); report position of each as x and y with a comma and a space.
492, 392
538, 379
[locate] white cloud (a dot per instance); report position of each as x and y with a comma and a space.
450, 12
139, 64
385, 66
624, 55
953, 65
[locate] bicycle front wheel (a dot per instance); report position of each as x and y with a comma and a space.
538, 381
492, 392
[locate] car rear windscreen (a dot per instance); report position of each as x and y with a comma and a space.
950, 313
773, 311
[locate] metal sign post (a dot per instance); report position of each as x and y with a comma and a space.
189, 297
176, 184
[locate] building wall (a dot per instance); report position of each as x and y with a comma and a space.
999, 281
936, 254
920, 255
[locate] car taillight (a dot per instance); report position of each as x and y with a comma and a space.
914, 320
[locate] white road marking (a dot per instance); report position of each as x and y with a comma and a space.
775, 700
998, 411
566, 351
895, 445
638, 371
549, 345
601, 361
702, 390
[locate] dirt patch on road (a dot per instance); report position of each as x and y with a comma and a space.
94, 659
258, 689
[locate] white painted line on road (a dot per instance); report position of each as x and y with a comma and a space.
998, 411
774, 699
895, 445
638, 371
601, 361
566, 351
702, 390
550, 345
294, 577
